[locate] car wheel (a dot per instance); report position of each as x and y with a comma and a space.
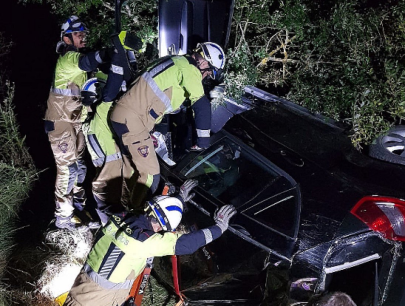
390, 146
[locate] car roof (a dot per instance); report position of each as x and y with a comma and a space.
325, 145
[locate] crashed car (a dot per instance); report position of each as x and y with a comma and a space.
314, 214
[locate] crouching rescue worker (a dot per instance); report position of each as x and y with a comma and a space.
111, 185
161, 90
63, 120
127, 242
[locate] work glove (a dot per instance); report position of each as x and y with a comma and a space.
130, 41
186, 188
223, 215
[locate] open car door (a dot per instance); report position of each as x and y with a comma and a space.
185, 23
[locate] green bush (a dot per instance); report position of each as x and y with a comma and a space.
17, 175
342, 59
17, 172
137, 16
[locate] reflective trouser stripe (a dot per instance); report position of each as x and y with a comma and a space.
156, 90
203, 133
106, 284
155, 183
101, 160
152, 182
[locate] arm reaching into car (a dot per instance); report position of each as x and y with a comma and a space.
189, 243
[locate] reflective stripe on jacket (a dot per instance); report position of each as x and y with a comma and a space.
122, 247
184, 79
100, 139
64, 99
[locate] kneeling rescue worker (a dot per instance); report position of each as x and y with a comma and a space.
123, 247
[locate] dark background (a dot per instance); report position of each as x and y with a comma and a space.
34, 32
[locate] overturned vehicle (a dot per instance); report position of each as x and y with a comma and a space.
314, 214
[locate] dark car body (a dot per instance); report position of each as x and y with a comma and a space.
314, 214
294, 179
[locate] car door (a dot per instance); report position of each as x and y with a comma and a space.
267, 198
185, 23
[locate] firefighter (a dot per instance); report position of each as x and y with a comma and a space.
63, 120
111, 185
161, 90
124, 245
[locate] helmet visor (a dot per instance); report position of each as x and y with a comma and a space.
77, 27
159, 214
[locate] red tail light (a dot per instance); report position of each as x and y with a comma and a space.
382, 214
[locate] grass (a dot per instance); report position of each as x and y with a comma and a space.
37, 272
17, 175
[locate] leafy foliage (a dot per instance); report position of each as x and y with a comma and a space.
16, 170
342, 59
13, 148
136, 15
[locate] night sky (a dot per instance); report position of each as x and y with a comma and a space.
34, 33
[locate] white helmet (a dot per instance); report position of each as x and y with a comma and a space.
167, 210
213, 53
93, 88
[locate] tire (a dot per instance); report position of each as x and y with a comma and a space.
390, 147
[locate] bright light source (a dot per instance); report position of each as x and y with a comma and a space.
62, 281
